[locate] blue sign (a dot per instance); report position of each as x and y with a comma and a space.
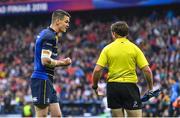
104, 4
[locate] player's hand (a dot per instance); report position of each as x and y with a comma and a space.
67, 61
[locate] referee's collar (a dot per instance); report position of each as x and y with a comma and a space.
123, 39
52, 30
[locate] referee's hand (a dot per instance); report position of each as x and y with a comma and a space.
151, 94
94, 87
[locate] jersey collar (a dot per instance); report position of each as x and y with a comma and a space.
52, 30
123, 39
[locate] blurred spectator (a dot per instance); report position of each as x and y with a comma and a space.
27, 110
175, 93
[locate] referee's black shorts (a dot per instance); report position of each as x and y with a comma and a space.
123, 95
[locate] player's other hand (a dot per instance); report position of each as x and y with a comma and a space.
67, 61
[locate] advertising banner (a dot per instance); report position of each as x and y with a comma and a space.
104, 4
34, 6
31, 6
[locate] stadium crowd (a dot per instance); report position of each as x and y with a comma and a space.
158, 36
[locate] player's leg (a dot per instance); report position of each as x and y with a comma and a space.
134, 113
117, 112
54, 106
55, 110
41, 111
39, 96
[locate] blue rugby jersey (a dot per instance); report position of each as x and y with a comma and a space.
47, 39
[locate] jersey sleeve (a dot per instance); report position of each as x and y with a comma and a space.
48, 43
140, 58
102, 60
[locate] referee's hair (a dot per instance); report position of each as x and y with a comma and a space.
121, 28
59, 14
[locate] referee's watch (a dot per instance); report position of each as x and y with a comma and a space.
94, 87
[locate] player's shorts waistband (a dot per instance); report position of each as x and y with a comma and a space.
40, 75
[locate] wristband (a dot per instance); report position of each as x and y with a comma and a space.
94, 87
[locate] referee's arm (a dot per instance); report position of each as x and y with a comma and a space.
143, 65
97, 75
148, 76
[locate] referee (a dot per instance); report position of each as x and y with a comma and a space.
121, 57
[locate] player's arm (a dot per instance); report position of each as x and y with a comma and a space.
148, 76
48, 61
96, 75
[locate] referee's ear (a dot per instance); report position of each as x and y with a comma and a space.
113, 35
